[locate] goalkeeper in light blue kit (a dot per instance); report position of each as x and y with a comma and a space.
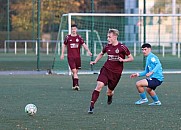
154, 77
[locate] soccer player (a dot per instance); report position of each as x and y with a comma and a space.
73, 42
111, 71
153, 72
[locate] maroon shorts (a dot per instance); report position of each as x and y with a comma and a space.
74, 63
109, 78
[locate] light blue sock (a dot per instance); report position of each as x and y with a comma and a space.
143, 95
155, 98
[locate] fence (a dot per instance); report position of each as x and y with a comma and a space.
134, 47
33, 46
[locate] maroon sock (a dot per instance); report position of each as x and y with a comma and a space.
73, 81
76, 82
95, 95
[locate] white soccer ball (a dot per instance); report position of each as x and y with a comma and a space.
30, 109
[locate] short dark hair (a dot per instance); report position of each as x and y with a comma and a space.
146, 45
73, 25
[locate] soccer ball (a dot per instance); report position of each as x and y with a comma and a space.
30, 109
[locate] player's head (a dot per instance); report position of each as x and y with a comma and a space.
73, 25
146, 49
73, 29
114, 31
146, 45
112, 36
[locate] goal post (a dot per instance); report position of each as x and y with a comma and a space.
162, 30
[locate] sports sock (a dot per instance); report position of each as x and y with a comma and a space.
73, 81
155, 98
76, 81
143, 95
95, 95
109, 97
109, 100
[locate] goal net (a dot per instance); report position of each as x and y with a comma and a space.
160, 30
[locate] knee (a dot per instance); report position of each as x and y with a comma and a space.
74, 72
99, 86
148, 90
138, 84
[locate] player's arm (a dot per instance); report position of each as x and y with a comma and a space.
99, 56
134, 75
157, 67
128, 59
87, 49
63, 50
144, 72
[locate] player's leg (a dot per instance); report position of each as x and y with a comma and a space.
75, 79
140, 87
77, 62
95, 96
96, 92
150, 91
72, 65
112, 83
153, 95
152, 85
110, 94
101, 82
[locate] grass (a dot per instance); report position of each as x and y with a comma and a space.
25, 62
61, 108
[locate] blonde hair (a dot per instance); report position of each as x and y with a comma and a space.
114, 31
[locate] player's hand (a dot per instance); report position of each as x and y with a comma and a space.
61, 57
121, 59
149, 74
134, 75
90, 54
92, 62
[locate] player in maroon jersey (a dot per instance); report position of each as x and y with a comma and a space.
111, 71
73, 42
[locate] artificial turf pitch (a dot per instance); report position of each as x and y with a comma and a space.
61, 108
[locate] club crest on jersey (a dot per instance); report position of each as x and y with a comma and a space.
117, 50
153, 59
77, 40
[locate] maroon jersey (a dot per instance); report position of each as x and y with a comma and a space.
114, 52
73, 44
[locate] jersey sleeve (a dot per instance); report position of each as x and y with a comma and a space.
81, 40
126, 50
104, 49
156, 62
66, 40
144, 72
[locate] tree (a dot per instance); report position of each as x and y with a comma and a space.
3, 16
23, 12
21, 16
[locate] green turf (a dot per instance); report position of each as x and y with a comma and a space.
25, 62
61, 108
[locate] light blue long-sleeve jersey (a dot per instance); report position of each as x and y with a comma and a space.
153, 65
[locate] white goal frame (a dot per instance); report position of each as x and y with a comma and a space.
131, 15
173, 15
